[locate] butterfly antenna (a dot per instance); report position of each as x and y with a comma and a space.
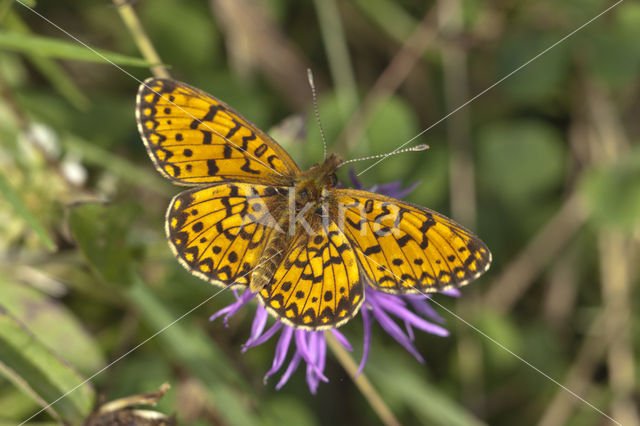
420, 147
315, 110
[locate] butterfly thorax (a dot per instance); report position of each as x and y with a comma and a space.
307, 196
311, 186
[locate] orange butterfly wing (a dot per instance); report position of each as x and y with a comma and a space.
194, 138
405, 248
317, 285
219, 232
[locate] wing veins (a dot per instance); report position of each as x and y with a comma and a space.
208, 127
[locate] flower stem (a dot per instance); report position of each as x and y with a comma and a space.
361, 381
145, 46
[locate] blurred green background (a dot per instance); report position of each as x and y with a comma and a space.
545, 167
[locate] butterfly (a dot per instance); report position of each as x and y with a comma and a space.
306, 247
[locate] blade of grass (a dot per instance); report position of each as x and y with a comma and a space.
52, 71
61, 49
39, 373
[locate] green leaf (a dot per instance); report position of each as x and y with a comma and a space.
62, 49
520, 160
68, 338
613, 193
12, 197
49, 68
189, 347
167, 21
542, 77
612, 55
33, 368
101, 232
502, 330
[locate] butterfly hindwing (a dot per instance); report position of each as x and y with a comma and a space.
409, 249
317, 285
194, 138
219, 232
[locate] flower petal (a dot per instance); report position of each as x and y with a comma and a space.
268, 334
341, 339
410, 333
354, 178
257, 327
409, 317
452, 292
317, 351
303, 349
281, 350
366, 341
232, 309
421, 305
289, 371
394, 331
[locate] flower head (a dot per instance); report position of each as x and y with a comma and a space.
398, 315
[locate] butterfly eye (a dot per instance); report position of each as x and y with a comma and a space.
303, 194
333, 179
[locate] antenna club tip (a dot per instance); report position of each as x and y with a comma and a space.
310, 76
421, 147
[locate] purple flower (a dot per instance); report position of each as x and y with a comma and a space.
398, 315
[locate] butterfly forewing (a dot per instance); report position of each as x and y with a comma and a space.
409, 249
194, 138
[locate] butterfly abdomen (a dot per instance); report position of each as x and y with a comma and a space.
270, 259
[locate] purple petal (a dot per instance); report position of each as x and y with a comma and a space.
421, 305
281, 351
321, 358
453, 292
392, 300
412, 336
366, 342
317, 351
303, 349
354, 179
394, 331
223, 311
410, 318
290, 370
404, 192
341, 339
232, 309
394, 189
386, 188
266, 336
257, 327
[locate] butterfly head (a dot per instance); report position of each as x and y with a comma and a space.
311, 185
